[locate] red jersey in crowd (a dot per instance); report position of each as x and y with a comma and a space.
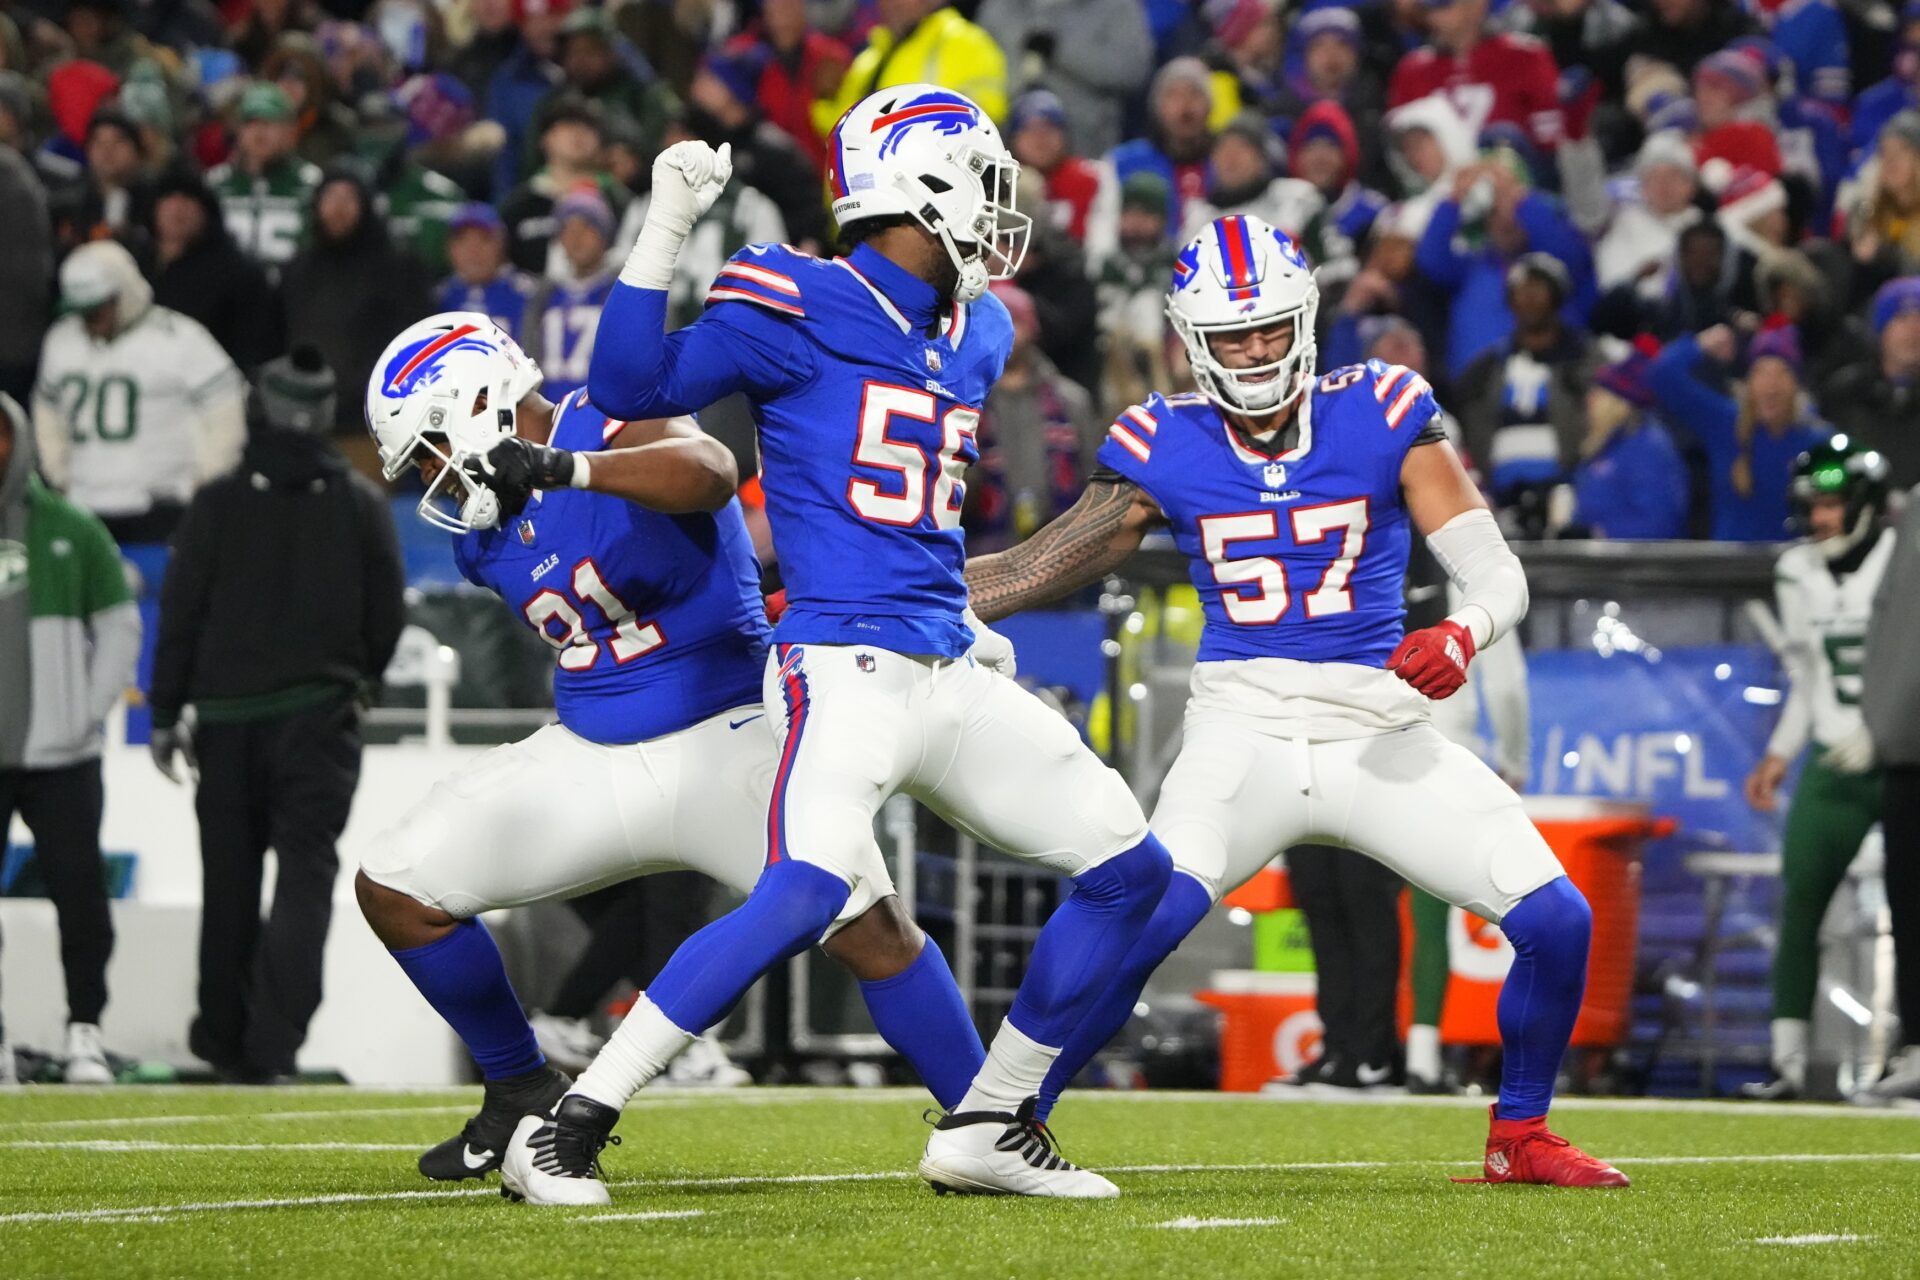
1070, 191
788, 84
1503, 78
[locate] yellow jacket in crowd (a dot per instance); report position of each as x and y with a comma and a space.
945, 49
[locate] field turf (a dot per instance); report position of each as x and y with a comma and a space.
319, 1182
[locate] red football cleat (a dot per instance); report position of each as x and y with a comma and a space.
1528, 1151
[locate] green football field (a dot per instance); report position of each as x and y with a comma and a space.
817, 1183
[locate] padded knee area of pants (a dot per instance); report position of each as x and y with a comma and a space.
1139, 874
1553, 919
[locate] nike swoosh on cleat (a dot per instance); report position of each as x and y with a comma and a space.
735, 724
473, 1159
1372, 1075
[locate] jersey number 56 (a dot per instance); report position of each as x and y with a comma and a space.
881, 402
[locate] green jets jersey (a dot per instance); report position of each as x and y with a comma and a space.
1825, 621
268, 212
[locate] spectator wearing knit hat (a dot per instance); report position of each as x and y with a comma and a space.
1131, 285
1037, 135
1631, 481
265, 188
1178, 141
1647, 218
1323, 150
564, 312
1245, 177
483, 280
572, 136
1521, 403
200, 272
1877, 401
118, 189
1324, 65
599, 64
1728, 89
352, 287
1813, 36
1748, 439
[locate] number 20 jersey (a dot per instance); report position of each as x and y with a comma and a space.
1300, 555
655, 620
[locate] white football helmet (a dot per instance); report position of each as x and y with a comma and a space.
932, 155
422, 396
1239, 273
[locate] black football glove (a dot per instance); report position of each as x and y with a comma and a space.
514, 468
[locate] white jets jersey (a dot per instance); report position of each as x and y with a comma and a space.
1826, 631
132, 407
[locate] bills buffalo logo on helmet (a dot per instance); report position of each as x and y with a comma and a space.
948, 113
412, 366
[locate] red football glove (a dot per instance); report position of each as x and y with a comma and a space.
776, 605
1434, 659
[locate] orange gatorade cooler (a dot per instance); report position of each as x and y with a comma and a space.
1270, 1028
1599, 842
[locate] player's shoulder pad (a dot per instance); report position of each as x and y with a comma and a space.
1137, 428
1402, 397
776, 277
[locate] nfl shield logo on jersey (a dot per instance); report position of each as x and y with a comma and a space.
933, 360
526, 533
1276, 474
864, 661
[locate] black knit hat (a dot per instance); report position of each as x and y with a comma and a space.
297, 390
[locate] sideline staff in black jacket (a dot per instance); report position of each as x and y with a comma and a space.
282, 603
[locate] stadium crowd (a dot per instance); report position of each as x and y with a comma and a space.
1646, 253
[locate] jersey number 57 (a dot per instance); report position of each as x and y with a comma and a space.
1254, 588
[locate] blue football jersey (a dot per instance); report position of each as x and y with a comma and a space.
866, 392
559, 329
656, 620
1300, 555
503, 299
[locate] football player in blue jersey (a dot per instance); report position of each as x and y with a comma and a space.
866, 374
631, 559
1294, 498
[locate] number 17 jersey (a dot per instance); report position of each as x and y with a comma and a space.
1302, 554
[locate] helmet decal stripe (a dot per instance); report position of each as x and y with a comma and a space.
428, 352
1237, 251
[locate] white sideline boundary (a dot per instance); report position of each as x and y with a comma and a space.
162, 1212
793, 1096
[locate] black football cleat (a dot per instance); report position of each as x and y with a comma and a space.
481, 1144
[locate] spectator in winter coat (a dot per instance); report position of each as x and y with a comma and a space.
521, 77
352, 287
483, 280
1427, 143
1631, 481
1244, 178
265, 188
117, 193
26, 264
572, 137
799, 67
1324, 68
200, 272
1095, 54
1812, 35
1801, 286
1681, 33
1648, 215
1881, 208
1521, 403
1037, 136
1877, 401
69, 642
1750, 438
1038, 435
1178, 141
1386, 284
1491, 218
1324, 151
1132, 287
599, 65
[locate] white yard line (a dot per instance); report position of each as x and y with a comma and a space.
353, 1113
1207, 1224
147, 1212
1816, 1239
656, 1216
114, 1144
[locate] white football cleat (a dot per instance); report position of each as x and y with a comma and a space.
568, 1043
704, 1064
1900, 1083
556, 1159
993, 1153
86, 1056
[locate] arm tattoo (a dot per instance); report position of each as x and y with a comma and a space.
1078, 548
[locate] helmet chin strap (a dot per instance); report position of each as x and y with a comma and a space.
1843, 544
973, 277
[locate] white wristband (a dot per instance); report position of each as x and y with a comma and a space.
582, 471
